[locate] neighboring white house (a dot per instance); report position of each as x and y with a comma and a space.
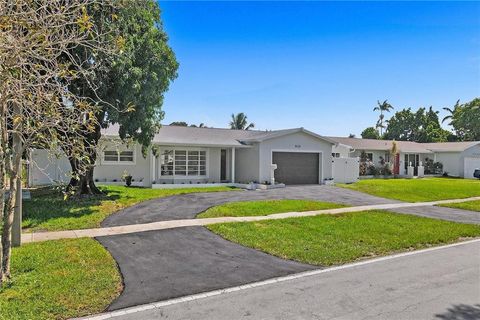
458, 158
189, 155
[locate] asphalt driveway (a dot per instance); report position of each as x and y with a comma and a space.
159, 265
187, 206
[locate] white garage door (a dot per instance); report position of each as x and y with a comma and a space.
470, 165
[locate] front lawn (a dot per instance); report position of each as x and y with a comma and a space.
337, 239
265, 207
469, 205
47, 210
60, 279
418, 190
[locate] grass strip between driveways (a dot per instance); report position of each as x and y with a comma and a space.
469, 205
337, 239
418, 190
59, 279
48, 211
265, 207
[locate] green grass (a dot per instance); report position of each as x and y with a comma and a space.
337, 239
469, 205
265, 207
417, 190
48, 211
59, 279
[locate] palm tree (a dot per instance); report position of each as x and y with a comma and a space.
382, 107
239, 122
451, 111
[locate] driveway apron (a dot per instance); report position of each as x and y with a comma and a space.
159, 265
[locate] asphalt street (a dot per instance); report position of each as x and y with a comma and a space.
439, 284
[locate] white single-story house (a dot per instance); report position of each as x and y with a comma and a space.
459, 159
190, 155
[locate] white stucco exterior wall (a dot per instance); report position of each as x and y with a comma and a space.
343, 150
139, 170
247, 164
452, 162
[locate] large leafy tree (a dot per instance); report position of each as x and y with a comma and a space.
464, 118
382, 108
239, 121
370, 133
131, 86
420, 126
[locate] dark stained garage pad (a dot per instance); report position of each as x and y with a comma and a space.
160, 265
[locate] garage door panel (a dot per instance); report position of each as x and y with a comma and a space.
296, 167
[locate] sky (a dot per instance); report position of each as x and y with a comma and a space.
318, 65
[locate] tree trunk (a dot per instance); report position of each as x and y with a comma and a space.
2, 180
82, 182
13, 168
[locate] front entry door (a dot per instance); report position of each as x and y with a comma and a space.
414, 159
223, 165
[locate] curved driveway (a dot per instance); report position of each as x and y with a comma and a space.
187, 206
159, 265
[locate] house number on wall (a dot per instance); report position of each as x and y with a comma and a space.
298, 146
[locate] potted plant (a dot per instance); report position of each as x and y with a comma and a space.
127, 178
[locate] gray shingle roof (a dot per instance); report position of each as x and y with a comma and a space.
404, 146
450, 146
178, 135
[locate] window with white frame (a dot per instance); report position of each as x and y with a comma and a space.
183, 163
117, 156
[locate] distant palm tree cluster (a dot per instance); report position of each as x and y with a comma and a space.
423, 125
382, 107
239, 122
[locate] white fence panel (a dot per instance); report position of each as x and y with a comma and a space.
46, 169
346, 170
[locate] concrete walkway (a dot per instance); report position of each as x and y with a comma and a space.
400, 207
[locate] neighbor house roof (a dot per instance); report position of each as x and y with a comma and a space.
405, 146
381, 145
450, 146
187, 136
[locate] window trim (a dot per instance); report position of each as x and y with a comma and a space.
187, 150
118, 162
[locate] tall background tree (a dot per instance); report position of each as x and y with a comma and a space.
370, 133
131, 85
419, 126
465, 120
382, 108
239, 122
